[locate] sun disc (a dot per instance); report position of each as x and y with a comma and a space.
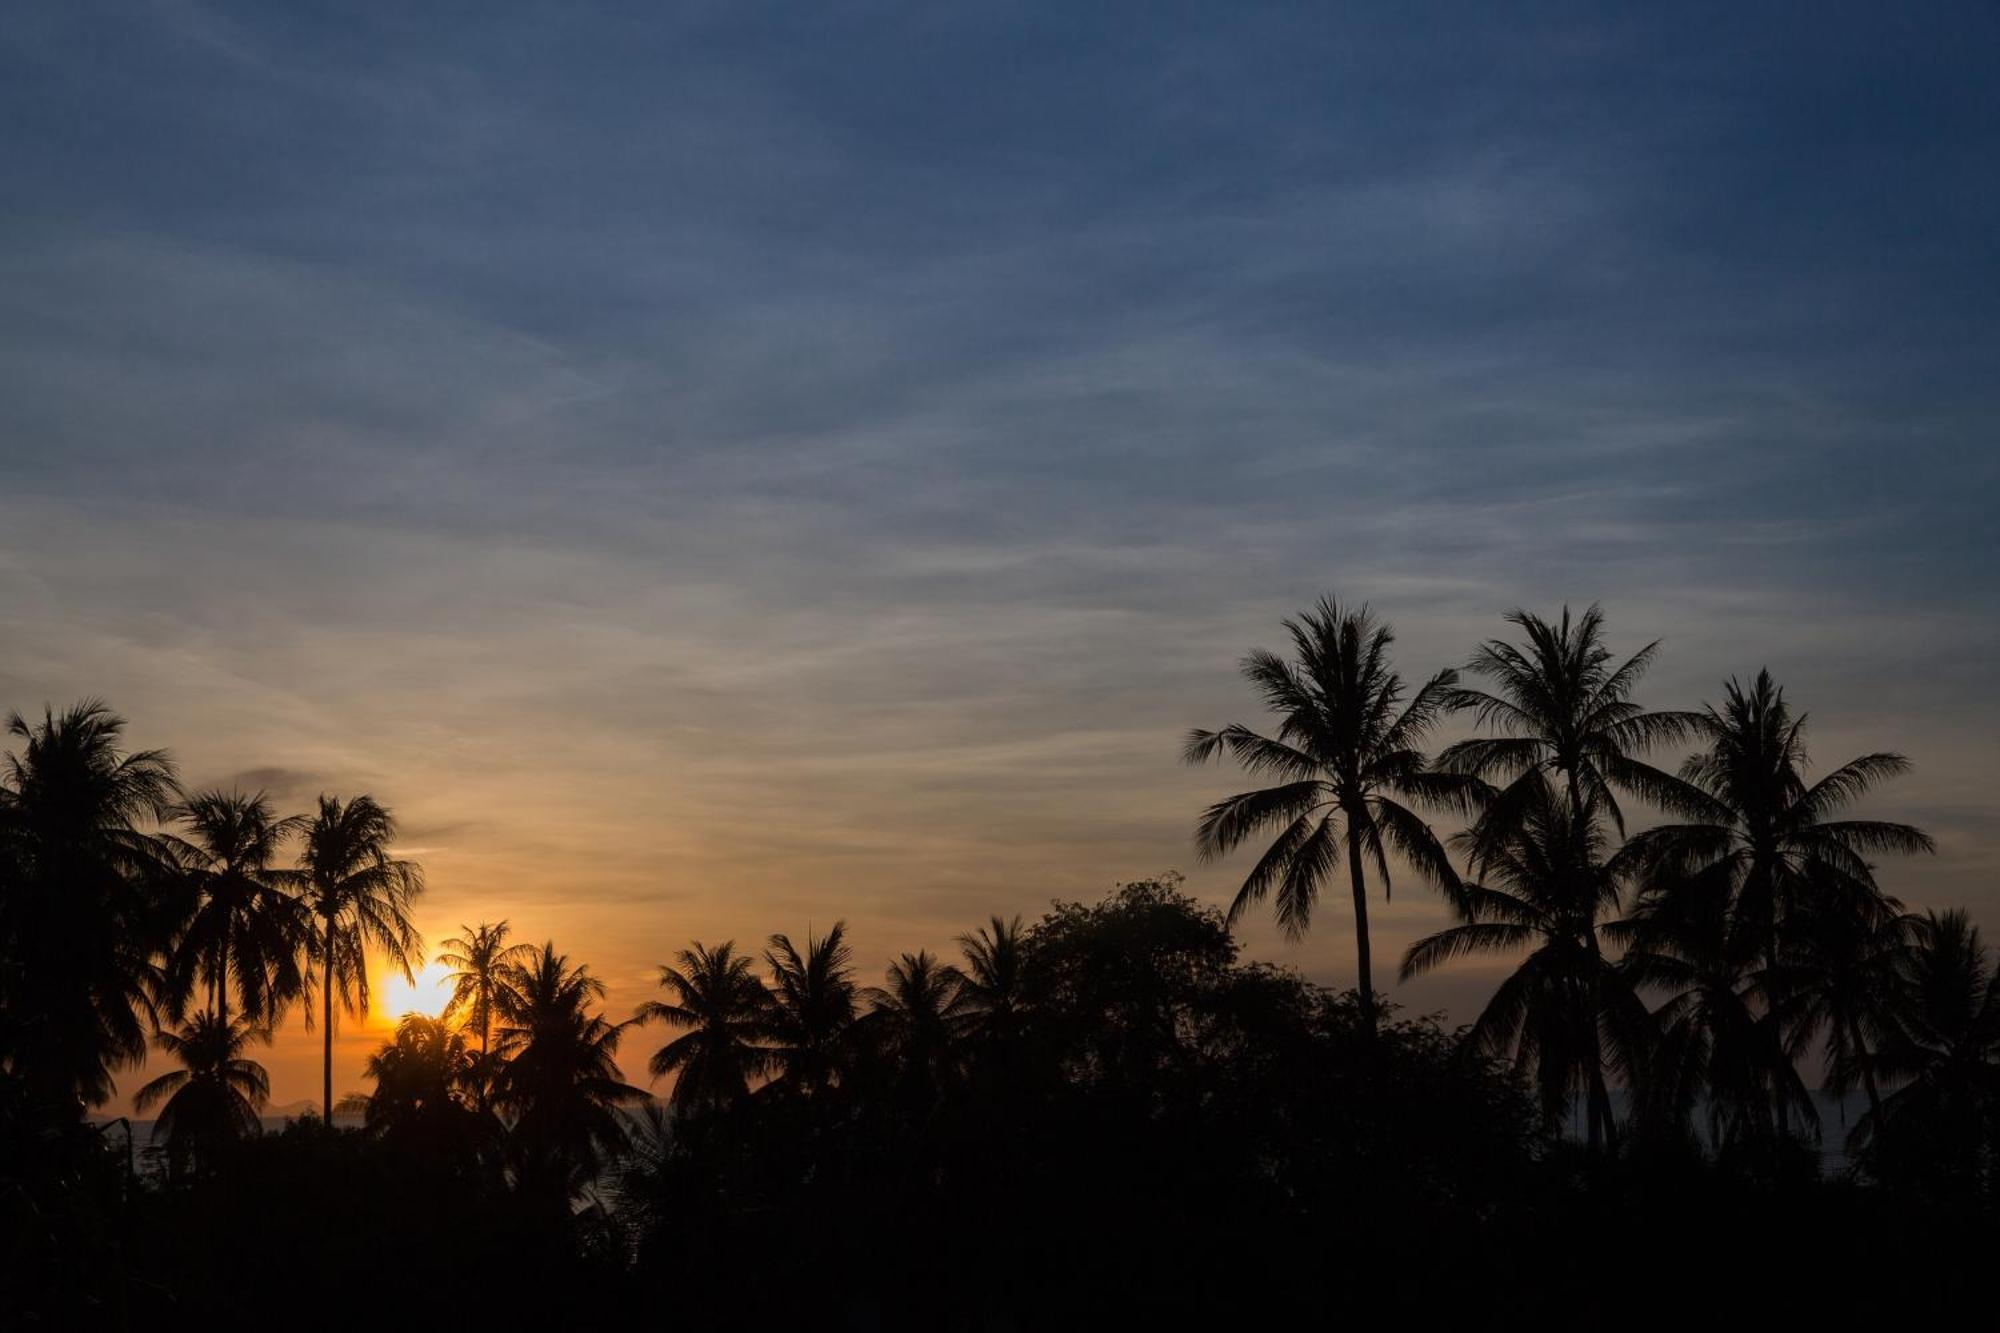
427, 994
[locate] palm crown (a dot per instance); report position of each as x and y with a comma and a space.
213, 1098
249, 925
725, 1011
811, 1005
1346, 756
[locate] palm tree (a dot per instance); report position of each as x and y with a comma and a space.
1562, 711
811, 1006
1770, 844
560, 1080
214, 1098
991, 988
426, 1079
726, 1013
1945, 1050
918, 1019
362, 898
1566, 1011
1721, 1035
89, 906
249, 925
1345, 757
1842, 964
481, 961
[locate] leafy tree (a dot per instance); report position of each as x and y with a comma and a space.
361, 896
725, 1012
1346, 756
213, 1099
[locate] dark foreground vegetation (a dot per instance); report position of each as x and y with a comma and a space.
1101, 1118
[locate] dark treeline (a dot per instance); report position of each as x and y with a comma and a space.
1103, 1116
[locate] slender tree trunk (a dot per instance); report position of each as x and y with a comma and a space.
1365, 975
485, 1035
1867, 1061
222, 980
326, 1008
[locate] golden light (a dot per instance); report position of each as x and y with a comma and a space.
427, 995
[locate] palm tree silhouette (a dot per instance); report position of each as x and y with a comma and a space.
361, 896
1842, 964
560, 1080
992, 983
481, 963
811, 1006
725, 1012
1562, 711
91, 903
1346, 757
1721, 1033
1546, 886
213, 1099
1944, 1049
1769, 845
249, 924
918, 1019
426, 1076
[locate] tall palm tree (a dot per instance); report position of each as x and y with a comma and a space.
481, 962
1944, 1050
560, 1081
1566, 1011
919, 1017
1561, 711
811, 1006
89, 906
725, 1012
361, 896
1346, 756
991, 986
249, 925
214, 1098
1770, 843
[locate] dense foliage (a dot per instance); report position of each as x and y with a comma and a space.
1101, 1116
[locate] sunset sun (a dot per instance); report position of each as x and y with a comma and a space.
427, 994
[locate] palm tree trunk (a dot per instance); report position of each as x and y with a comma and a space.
485, 1034
221, 1005
1867, 1062
326, 1003
1364, 973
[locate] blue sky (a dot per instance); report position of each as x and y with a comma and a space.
711, 467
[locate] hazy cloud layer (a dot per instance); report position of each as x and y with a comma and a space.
716, 474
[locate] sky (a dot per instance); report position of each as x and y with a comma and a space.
714, 469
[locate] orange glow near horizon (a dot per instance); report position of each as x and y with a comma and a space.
427, 994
